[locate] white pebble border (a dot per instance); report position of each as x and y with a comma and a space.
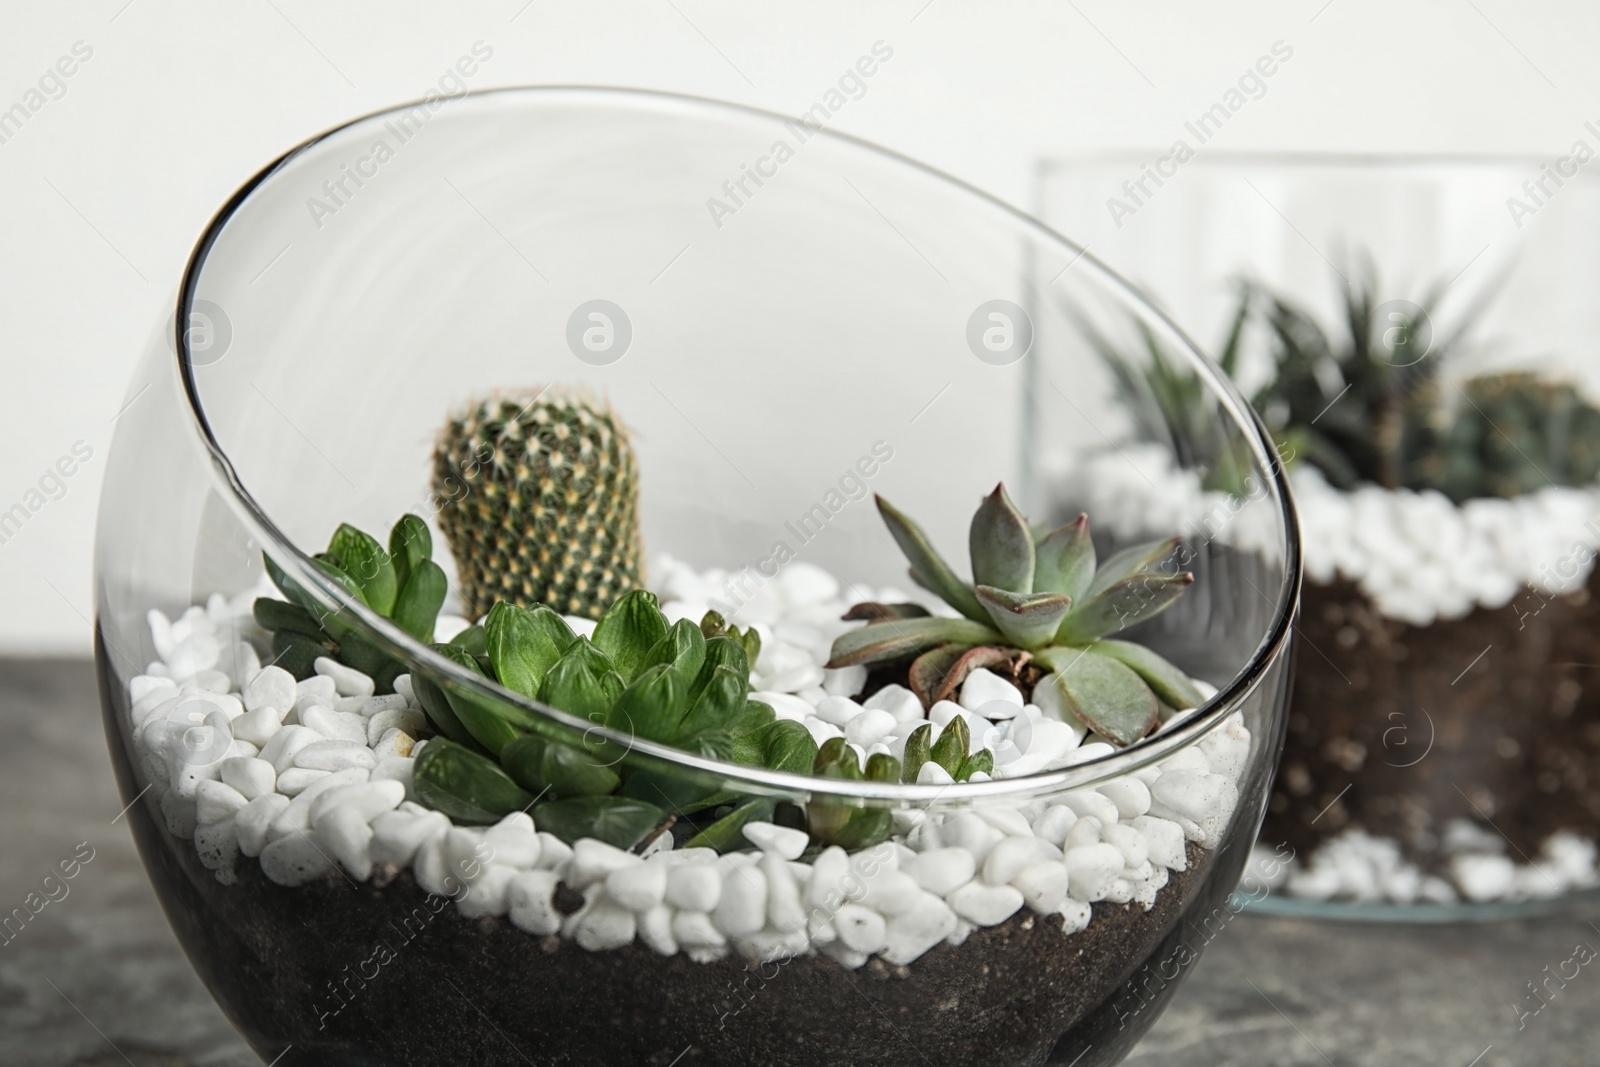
306, 776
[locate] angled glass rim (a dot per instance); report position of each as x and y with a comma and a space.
392, 639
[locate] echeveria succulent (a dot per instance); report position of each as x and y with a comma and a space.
1035, 597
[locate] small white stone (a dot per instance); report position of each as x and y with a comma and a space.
869, 727
593, 860
142, 685
768, 837
983, 685
695, 929
489, 892
694, 887
296, 780
985, 905
314, 690
784, 910
1043, 886
294, 860
347, 837
272, 687
1164, 840
253, 820
1188, 759
349, 681
1054, 823
259, 726
914, 932
404, 719
251, 777
1092, 869
821, 731
932, 774
655, 931
397, 835
1008, 821
367, 800
281, 750
1131, 796
530, 902
554, 853
638, 888
898, 701
838, 711
216, 801
1483, 878
1090, 802
831, 880
335, 756
743, 907
844, 681
1129, 841
1008, 859
966, 830
513, 842
217, 844
335, 725
860, 929
942, 870
397, 768
297, 816
784, 705
1075, 915
941, 714
394, 743
891, 892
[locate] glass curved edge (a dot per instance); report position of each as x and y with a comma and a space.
1281, 905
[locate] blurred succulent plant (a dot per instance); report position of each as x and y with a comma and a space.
1170, 405
1036, 597
402, 583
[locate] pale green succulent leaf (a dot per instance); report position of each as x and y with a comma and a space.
1170, 685
883, 642
1001, 544
1132, 600
1027, 620
1130, 561
928, 568
1064, 560
1107, 695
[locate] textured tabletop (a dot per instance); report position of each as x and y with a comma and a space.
97, 979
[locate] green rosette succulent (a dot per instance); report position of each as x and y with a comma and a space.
1039, 597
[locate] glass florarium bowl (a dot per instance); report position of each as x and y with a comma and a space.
506, 660
1419, 335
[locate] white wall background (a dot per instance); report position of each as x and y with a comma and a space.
104, 189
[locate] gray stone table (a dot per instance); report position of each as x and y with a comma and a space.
97, 980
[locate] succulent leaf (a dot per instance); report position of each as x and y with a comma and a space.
577, 683
410, 544
883, 642
651, 707
918, 751
981, 761
938, 673
616, 820
520, 647
928, 568
727, 833
871, 611
1028, 620
1130, 601
1135, 559
1001, 545
464, 785
437, 707
682, 651
1105, 693
951, 748
720, 652
1064, 560
1170, 685
361, 557
788, 746
416, 608
629, 629
720, 701
492, 723
746, 730
537, 764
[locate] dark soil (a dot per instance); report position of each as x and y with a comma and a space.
1399, 729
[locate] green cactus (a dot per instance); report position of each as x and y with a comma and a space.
1036, 597
540, 503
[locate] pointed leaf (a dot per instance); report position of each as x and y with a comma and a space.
361, 557
1129, 601
651, 707
555, 627
473, 640
928, 568
881, 767
746, 732
628, 631
918, 747
937, 674
882, 642
538, 765
788, 746
1128, 562
437, 707
727, 833
410, 544
575, 683
872, 611
416, 609
464, 785
952, 746
981, 760
683, 651
520, 647
1028, 620
720, 702
619, 821
1064, 560
275, 615
712, 624
720, 652
1001, 544
865, 828
1170, 685
492, 723
1108, 696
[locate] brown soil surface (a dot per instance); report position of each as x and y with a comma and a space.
1399, 729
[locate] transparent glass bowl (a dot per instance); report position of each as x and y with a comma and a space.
773, 337
1462, 749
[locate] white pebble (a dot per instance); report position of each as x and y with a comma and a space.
253, 820
891, 892
784, 705
397, 768
932, 774
861, 929
1092, 802
396, 835
694, 929
1091, 871
347, 837
488, 893
898, 701
335, 725
334, 756
593, 860
272, 687
314, 690
844, 681
297, 780
347, 680
1483, 878
1055, 822
294, 860
1008, 858
250, 776
983, 685
394, 743
1164, 840
404, 719
281, 750
985, 905
530, 902
1131, 796
914, 932
367, 800
743, 907
216, 801
768, 837
694, 887
784, 911
838, 711
259, 726
942, 870
869, 727
513, 842
1043, 886
638, 888
1130, 842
